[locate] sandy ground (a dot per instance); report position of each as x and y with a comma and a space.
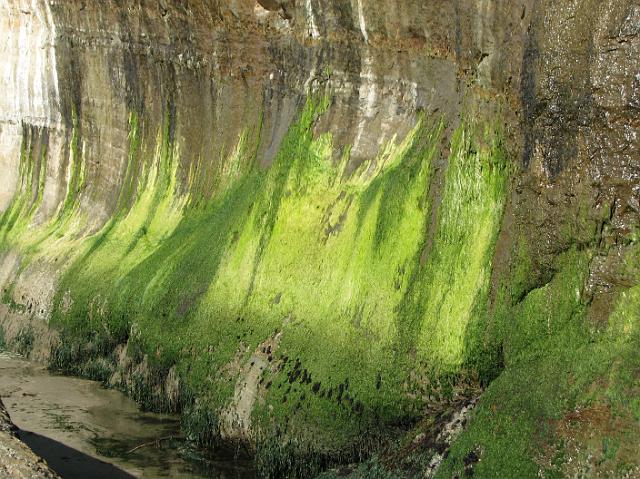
84, 430
16, 459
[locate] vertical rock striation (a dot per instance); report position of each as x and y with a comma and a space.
305, 223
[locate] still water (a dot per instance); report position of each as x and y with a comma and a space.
84, 430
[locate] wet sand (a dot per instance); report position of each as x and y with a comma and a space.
84, 430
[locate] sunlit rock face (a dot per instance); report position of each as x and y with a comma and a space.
30, 83
235, 64
307, 219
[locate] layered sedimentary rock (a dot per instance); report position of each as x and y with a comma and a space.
308, 224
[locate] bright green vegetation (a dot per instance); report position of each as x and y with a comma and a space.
565, 378
369, 294
366, 293
449, 295
22, 225
29, 192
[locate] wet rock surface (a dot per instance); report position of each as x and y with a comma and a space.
223, 66
562, 77
580, 152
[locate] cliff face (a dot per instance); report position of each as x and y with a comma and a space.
305, 223
229, 66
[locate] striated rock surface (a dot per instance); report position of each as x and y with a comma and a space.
415, 198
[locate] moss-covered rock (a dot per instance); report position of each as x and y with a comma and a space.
365, 318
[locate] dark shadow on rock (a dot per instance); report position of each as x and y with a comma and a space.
70, 463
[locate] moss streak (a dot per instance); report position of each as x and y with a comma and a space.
334, 262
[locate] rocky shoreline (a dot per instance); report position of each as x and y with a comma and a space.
16, 459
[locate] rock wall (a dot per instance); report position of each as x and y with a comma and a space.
567, 307
238, 64
305, 223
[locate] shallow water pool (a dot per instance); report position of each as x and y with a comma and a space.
84, 430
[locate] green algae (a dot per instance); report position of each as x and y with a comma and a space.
450, 293
23, 225
197, 277
563, 377
75, 176
28, 196
377, 296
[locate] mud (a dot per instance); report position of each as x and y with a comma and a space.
84, 430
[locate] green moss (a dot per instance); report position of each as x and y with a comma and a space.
563, 378
28, 196
127, 190
448, 295
375, 310
7, 298
23, 227
75, 179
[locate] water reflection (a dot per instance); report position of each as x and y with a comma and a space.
85, 430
